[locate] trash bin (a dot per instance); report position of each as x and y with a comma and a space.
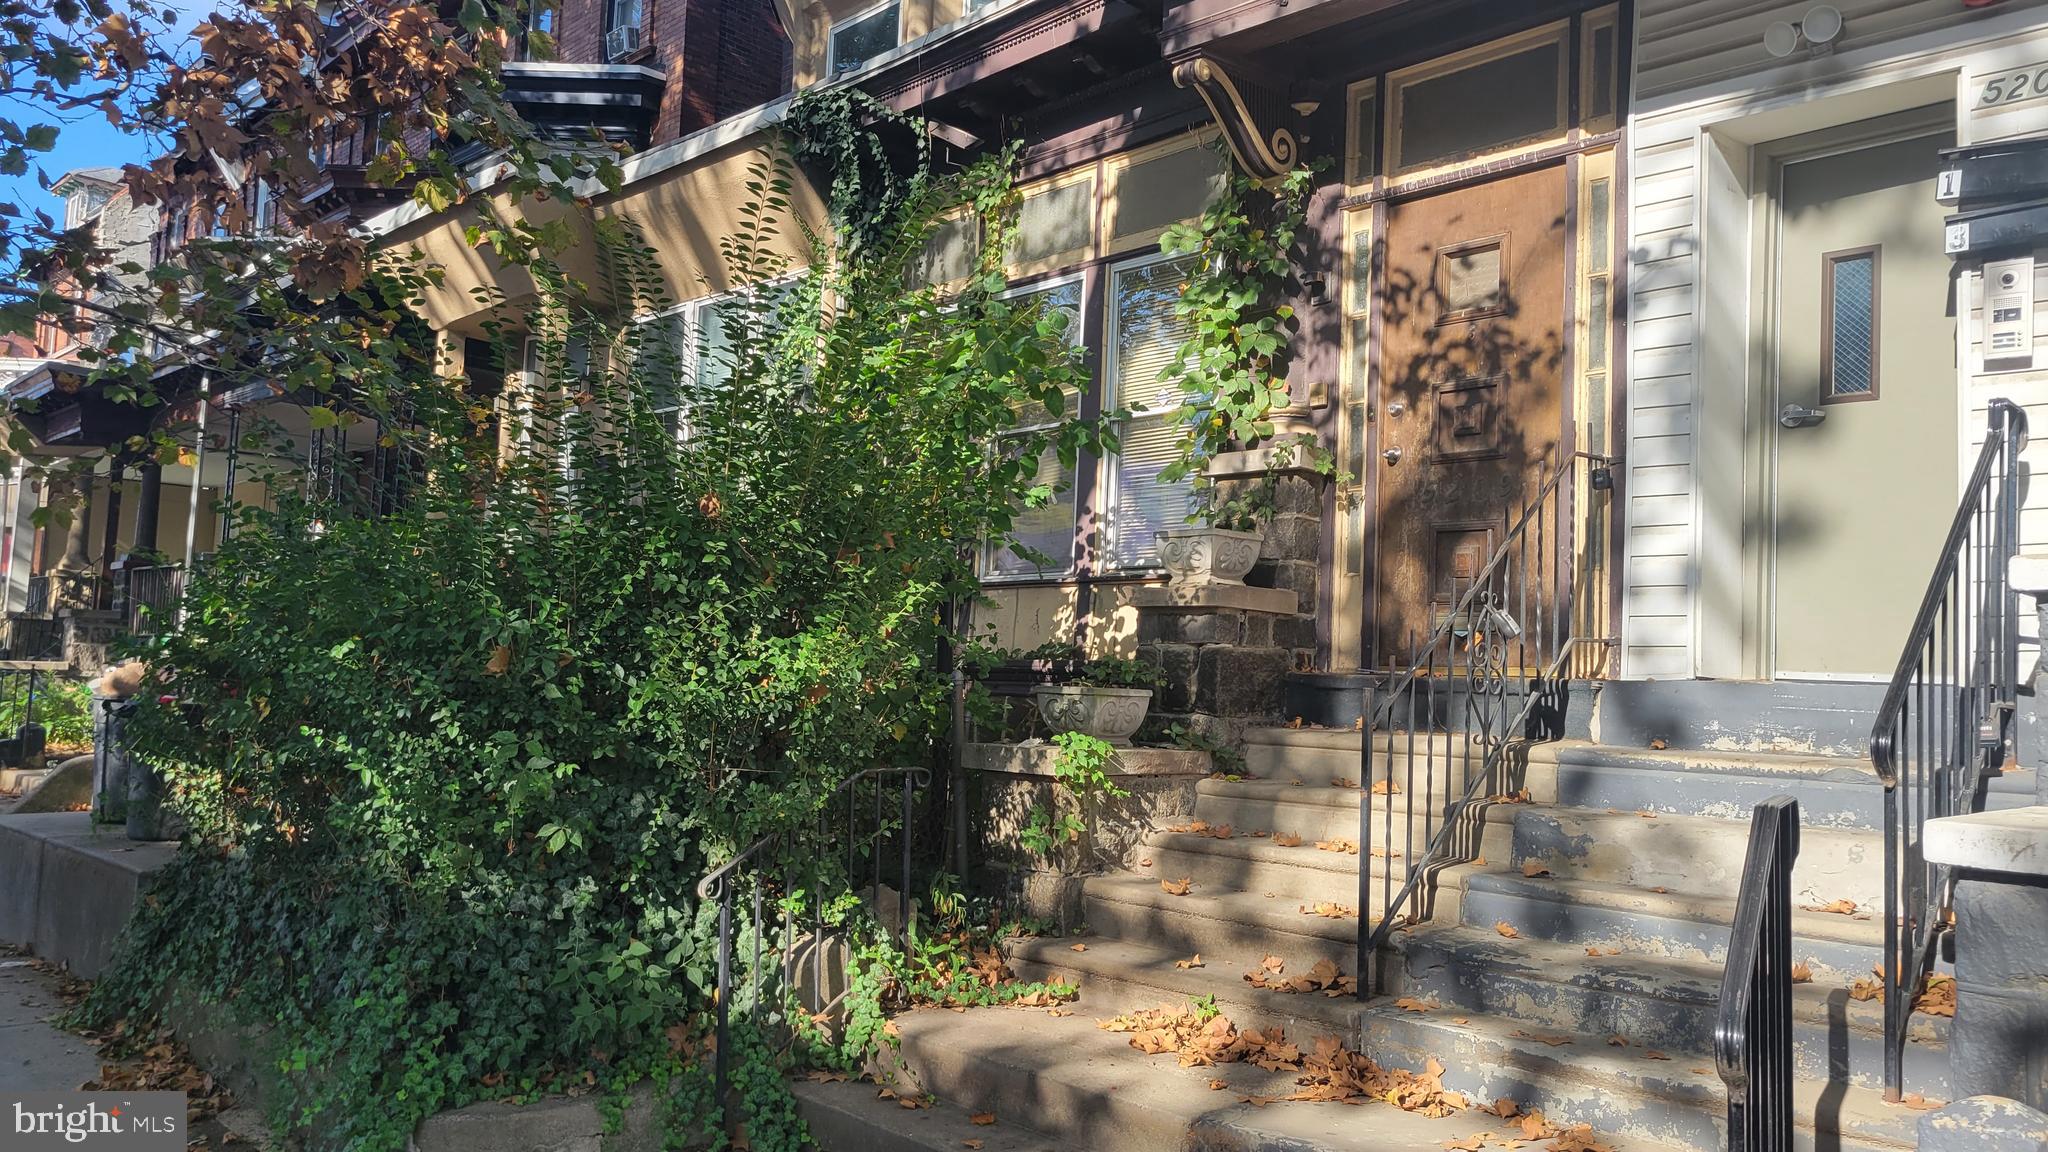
109, 759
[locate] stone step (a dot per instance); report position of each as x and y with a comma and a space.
1117, 976
1320, 755
1683, 926
22, 779
1681, 1101
1835, 792
852, 1116
1215, 921
1315, 813
1653, 1001
1696, 854
1249, 864
1068, 1076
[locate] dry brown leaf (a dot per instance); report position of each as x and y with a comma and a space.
1079, 947
1552, 1039
1194, 961
1646, 814
982, 1119
1180, 887
1660, 744
1802, 973
500, 661
1872, 989
1217, 1085
1338, 845
1386, 854
1919, 1103
1661, 890
1473, 1143
1506, 929
1329, 911
970, 1144
1411, 1004
1595, 950
1505, 1108
1938, 998
1533, 1125
1343, 782
1287, 840
1219, 832
1833, 907
1385, 788
1534, 868
1579, 1138
1294, 723
1653, 1054
1617, 1041
1145, 863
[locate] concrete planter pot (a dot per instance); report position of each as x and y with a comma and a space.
1111, 714
1197, 556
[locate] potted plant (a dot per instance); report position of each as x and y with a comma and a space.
1232, 372
1108, 699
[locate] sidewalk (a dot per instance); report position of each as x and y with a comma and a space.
36, 1055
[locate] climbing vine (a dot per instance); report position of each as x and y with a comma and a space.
1232, 370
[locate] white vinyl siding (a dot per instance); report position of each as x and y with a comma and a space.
1144, 335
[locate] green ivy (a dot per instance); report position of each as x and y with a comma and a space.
1232, 371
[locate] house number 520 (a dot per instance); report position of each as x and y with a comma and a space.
2015, 87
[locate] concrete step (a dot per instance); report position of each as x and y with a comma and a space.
1654, 1001
1250, 864
852, 1116
1683, 926
1833, 791
1321, 755
1068, 1076
1318, 813
1216, 921
22, 779
1680, 1101
1117, 976
1696, 854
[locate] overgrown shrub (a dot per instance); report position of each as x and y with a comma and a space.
453, 773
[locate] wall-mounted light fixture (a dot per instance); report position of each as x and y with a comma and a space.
1817, 31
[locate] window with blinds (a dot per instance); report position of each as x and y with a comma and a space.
1144, 336
1041, 540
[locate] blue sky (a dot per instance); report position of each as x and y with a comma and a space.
85, 140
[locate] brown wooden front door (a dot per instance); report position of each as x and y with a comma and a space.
1471, 392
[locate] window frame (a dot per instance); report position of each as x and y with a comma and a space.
832, 65
1829, 262
1090, 249
1590, 24
1110, 198
1499, 243
1360, 170
1077, 339
1111, 386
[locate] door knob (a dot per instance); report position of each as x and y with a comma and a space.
1795, 416
1396, 408
1392, 455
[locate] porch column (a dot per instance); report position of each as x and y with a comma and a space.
148, 503
75, 494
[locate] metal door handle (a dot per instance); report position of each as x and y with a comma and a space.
1795, 416
1392, 455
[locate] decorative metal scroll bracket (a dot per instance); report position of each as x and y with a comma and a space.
1249, 114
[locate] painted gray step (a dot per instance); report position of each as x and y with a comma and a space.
1835, 793
1215, 922
1655, 1002
1678, 925
1680, 1101
1695, 854
851, 1116
1118, 976
1089, 1086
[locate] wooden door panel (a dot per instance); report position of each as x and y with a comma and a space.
1471, 402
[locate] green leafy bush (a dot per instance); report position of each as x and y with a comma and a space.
453, 773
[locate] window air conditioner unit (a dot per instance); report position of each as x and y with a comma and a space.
622, 41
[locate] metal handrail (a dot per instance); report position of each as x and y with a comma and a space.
721, 884
1502, 619
1753, 1030
1947, 714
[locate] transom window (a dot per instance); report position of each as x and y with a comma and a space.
1849, 325
864, 37
1506, 94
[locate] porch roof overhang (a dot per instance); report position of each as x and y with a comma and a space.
62, 408
1011, 51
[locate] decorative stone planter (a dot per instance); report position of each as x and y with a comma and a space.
1111, 714
1208, 555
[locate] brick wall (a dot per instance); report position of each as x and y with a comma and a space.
720, 56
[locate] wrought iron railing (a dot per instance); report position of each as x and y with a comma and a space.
1946, 722
1487, 681
1753, 1032
148, 597
38, 601
780, 899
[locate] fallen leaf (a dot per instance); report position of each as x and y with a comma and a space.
1506, 929
1328, 910
1938, 998
1595, 950
1287, 840
970, 1144
1660, 744
1145, 863
982, 1119
1505, 1108
1646, 814
1579, 1138
1294, 723
1661, 890
1916, 1101
1343, 782
1080, 947
1219, 832
1617, 1041
1180, 887
1552, 1039
1217, 1085
1411, 1004
1473, 1143
1338, 845
1653, 1054
1833, 907
1385, 788
1534, 868
1802, 973
1194, 961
